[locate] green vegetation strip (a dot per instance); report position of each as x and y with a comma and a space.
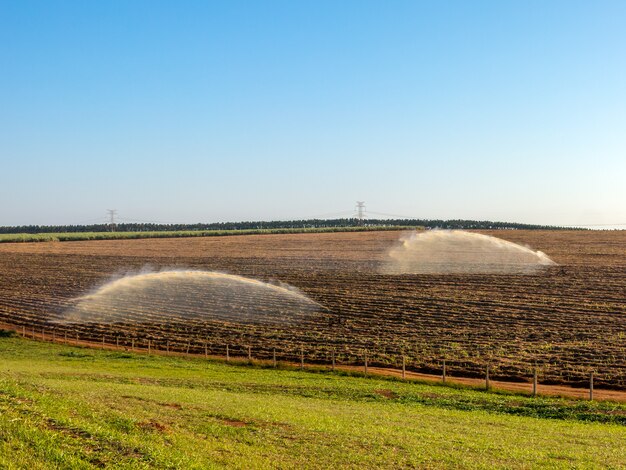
81, 236
67, 407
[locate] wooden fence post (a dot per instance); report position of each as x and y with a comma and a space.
149, 347
249, 354
591, 386
365, 362
206, 350
535, 381
43, 334
65, 338
77, 338
33, 331
23, 331
188, 344
487, 378
54, 336
301, 357
332, 356
403, 366
227, 353
274, 357
167, 346
443, 375
132, 344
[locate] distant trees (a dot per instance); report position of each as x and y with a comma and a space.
277, 224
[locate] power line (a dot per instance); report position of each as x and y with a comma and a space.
333, 214
101, 219
139, 221
393, 215
360, 213
559, 225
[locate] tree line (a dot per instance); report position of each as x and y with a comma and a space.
276, 224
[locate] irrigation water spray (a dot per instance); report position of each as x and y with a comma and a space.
170, 296
457, 251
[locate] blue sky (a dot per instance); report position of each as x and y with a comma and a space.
240, 110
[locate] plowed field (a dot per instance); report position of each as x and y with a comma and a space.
569, 320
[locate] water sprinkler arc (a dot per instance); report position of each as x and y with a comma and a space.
192, 295
461, 252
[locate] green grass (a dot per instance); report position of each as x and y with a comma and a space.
65, 407
79, 236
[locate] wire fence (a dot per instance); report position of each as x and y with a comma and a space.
366, 362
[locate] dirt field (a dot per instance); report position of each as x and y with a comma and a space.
570, 319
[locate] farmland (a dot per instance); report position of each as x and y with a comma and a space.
569, 319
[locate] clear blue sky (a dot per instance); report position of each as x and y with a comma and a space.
231, 110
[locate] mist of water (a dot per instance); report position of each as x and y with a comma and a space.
457, 251
171, 296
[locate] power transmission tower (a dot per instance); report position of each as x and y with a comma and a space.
360, 211
112, 213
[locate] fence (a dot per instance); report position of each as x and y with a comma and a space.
312, 356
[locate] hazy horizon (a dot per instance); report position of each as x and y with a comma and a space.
215, 112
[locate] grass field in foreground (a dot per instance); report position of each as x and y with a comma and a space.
83, 236
66, 407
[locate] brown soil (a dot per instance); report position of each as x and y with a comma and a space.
570, 319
